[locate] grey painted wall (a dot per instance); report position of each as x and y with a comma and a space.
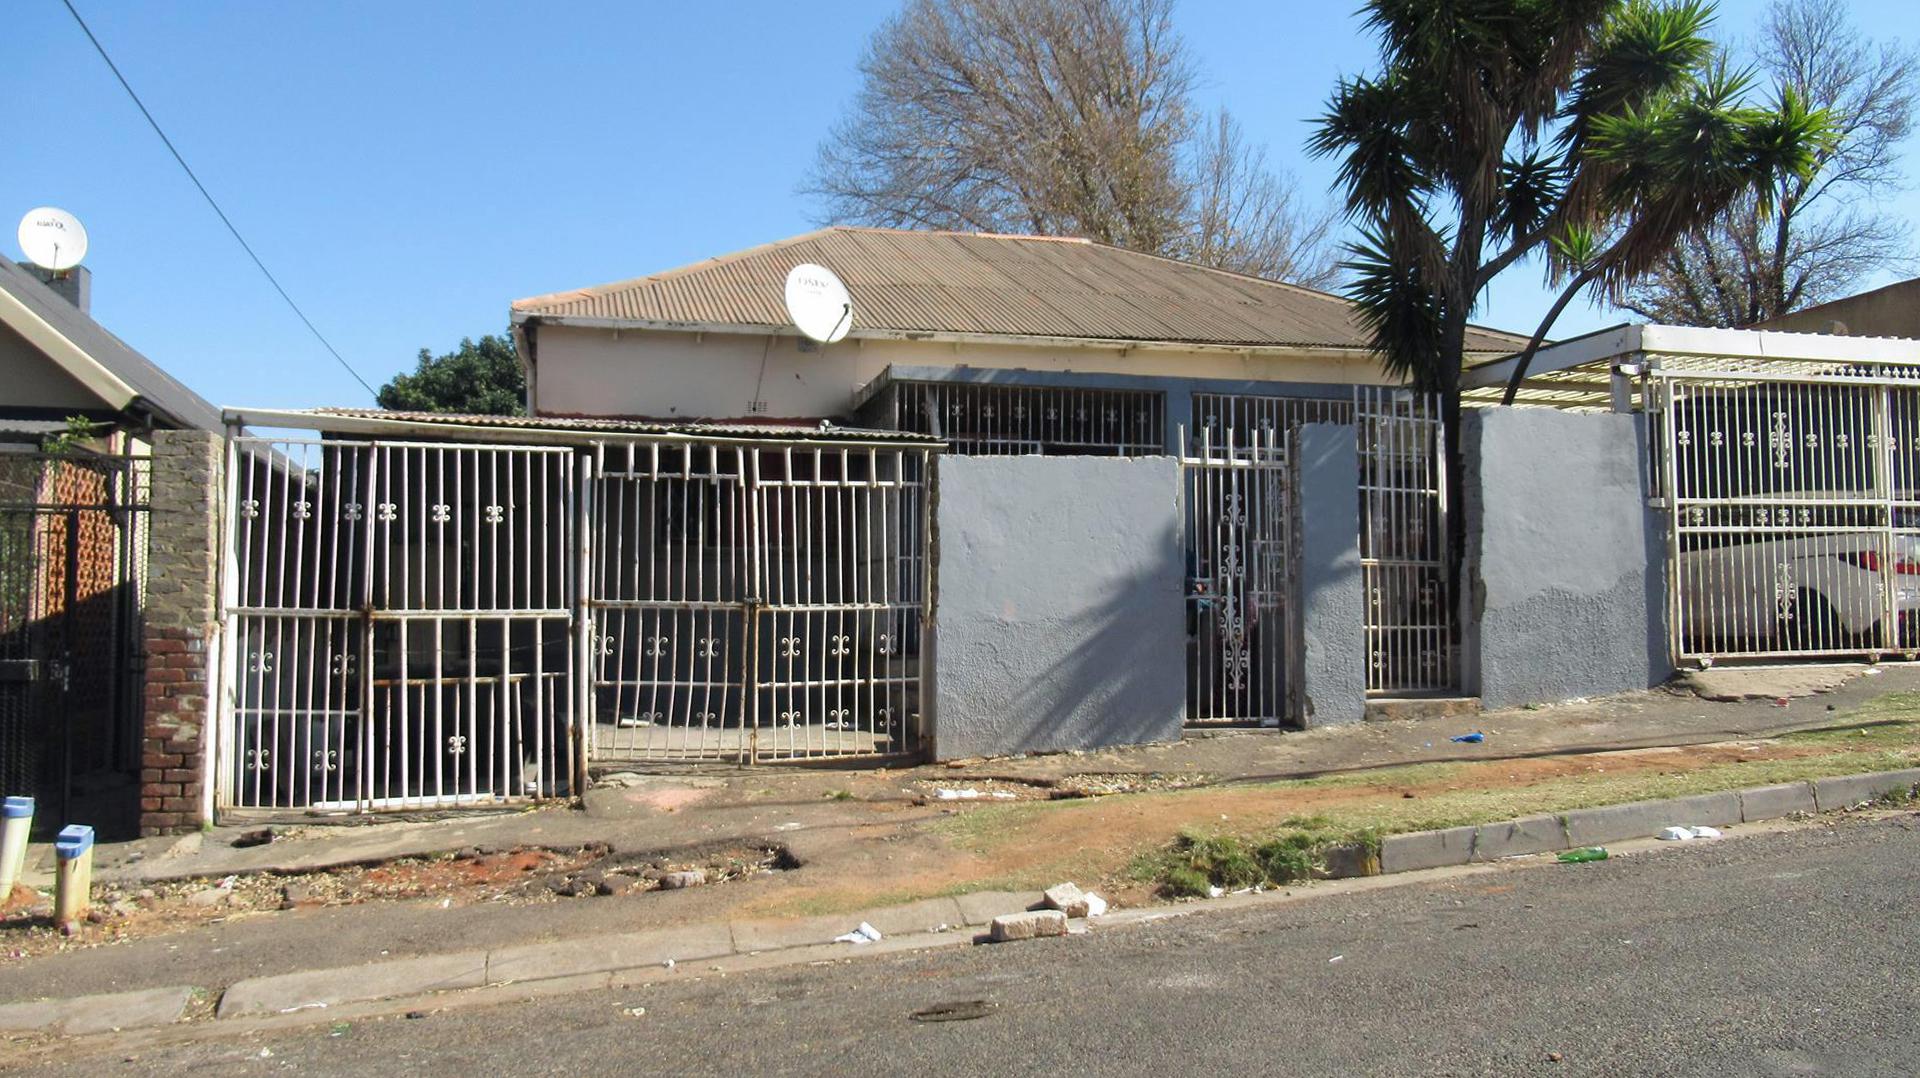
1058, 604
1332, 589
1566, 566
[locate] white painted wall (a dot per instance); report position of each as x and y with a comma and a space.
718, 376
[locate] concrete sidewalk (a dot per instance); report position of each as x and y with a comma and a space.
626, 959
638, 813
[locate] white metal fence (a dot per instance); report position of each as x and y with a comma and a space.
398, 615
757, 604
1794, 511
407, 619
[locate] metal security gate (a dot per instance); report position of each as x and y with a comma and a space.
399, 623
72, 559
757, 604
1403, 544
1794, 508
1244, 635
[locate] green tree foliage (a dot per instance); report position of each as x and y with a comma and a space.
1594, 134
478, 378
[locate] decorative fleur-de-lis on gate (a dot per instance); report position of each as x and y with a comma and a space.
250, 508
790, 718
353, 511
789, 646
258, 759
707, 718
260, 662
496, 514
708, 647
442, 512
302, 511
841, 644
343, 663
388, 511
885, 644
457, 744
657, 646
325, 760
838, 719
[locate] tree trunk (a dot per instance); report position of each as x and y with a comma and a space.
1455, 486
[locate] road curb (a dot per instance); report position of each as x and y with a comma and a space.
103, 1013
1416, 850
602, 958
644, 956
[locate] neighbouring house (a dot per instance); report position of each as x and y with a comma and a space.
1891, 311
1007, 345
74, 534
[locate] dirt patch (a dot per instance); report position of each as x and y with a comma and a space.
981, 844
520, 875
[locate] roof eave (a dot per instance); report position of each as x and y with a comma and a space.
522, 318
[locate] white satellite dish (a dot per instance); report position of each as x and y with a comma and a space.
52, 239
818, 303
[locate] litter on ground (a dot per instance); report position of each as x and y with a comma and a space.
1471, 739
866, 933
1685, 834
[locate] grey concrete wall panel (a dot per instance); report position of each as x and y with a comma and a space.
1059, 604
1566, 573
1332, 588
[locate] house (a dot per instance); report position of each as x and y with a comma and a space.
73, 547
57, 362
1891, 311
713, 340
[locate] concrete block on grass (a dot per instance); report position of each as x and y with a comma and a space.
1773, 802
1031, 924
1416, 850
1512, 838
979, 907
1842, 791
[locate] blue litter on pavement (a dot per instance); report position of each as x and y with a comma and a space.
1473, 738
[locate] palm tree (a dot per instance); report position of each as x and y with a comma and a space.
1595, 133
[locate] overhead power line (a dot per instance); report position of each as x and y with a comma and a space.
204, 193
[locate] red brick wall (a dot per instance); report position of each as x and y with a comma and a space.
171, 771
181, 619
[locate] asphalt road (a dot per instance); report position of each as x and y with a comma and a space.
1783, 954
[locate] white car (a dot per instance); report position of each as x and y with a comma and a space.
1797, 578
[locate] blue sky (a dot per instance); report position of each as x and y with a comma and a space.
408, 169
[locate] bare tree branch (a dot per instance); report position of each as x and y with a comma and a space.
1059, 117
1824, 236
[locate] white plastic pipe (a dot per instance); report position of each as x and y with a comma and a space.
74, 881
16, 820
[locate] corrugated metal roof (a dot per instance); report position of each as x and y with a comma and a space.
906, 282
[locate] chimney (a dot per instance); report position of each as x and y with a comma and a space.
74, 285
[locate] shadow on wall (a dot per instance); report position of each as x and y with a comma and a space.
1122, 680
1060, 605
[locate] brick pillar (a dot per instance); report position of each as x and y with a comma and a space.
181, 618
